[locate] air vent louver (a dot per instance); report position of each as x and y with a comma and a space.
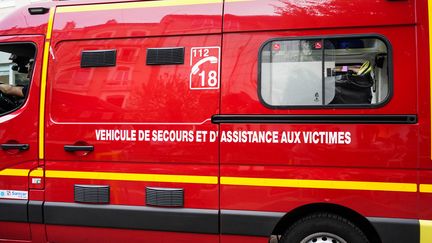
165, 56
99, 58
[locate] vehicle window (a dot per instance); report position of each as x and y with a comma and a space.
16, 66
325, 72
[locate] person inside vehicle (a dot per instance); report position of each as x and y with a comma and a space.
17, 91
12, 96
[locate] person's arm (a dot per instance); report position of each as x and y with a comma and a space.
12, 90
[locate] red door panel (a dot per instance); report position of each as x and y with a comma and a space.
148, 125
19, 127
316, 171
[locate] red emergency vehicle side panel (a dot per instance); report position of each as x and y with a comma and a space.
118, 235
280, 177
156, 130
367, 200
241, 83
149, 123
424, 99
17, 22
129, 95
132, 22
265, 15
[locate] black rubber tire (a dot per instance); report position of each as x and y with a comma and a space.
324, 222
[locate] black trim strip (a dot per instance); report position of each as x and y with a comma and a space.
253, 223
133, 217
35, 212
232, 222
315, 119
13, 210
397, 230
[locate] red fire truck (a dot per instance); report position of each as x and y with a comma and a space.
216, 121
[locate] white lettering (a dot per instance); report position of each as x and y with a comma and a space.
98, 135
347, 138
213, 136
230, 136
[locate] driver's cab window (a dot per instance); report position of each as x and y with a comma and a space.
16, 68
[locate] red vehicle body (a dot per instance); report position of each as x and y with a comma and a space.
162, 156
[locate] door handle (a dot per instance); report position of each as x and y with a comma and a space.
12, 146
75, 148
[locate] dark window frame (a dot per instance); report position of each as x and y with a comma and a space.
31, 81
331, 106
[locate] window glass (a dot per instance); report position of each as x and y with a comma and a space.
324, 72
16, 66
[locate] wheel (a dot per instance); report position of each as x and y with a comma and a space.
323, 228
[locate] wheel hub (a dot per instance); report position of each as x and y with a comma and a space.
323, 237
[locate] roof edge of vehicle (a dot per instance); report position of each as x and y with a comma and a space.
18, 19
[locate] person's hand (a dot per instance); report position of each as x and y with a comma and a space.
4, 88
12, 90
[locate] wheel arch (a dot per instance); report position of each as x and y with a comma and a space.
359, 220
